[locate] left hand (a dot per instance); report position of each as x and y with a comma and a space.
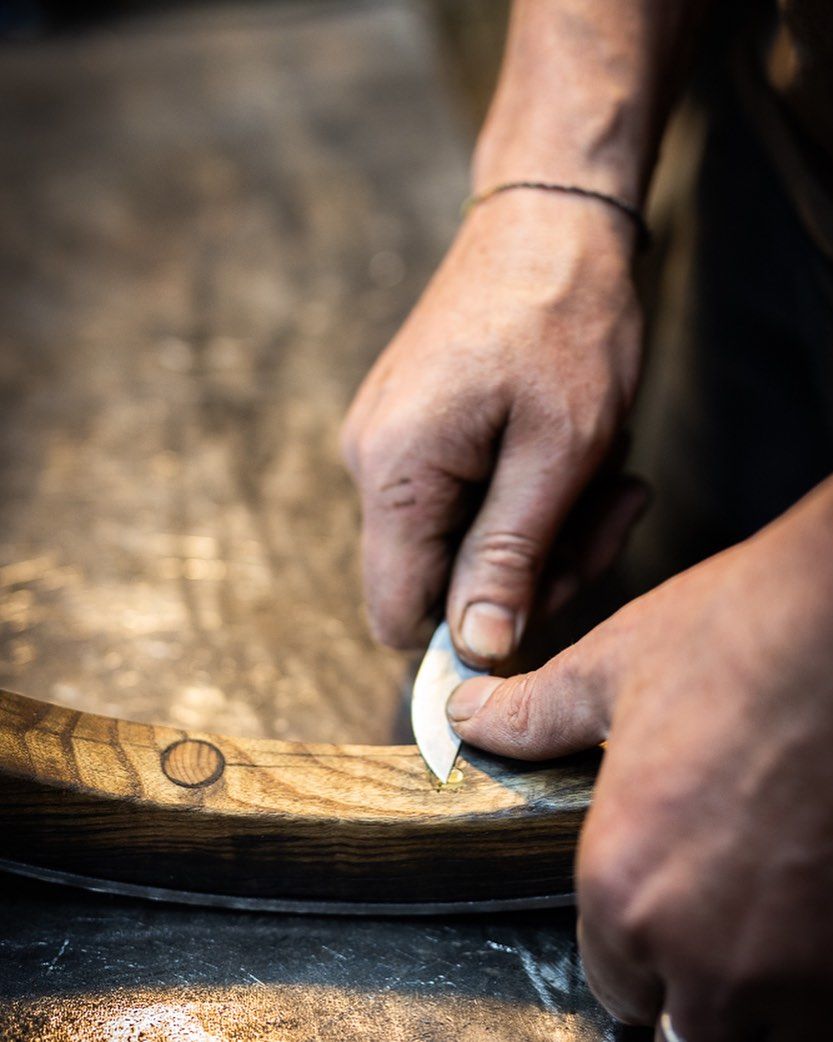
488, 417
705, 869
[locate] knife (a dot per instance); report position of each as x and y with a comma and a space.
441, 671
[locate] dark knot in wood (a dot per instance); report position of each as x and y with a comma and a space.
193, 763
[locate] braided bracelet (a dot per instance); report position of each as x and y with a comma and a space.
628, 209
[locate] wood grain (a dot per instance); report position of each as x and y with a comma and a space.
212, 222
156, 806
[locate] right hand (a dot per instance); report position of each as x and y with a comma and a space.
485, 418
705, 865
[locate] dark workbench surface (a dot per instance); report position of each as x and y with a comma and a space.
212, 220
88, 967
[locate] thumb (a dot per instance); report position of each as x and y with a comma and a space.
499, 562
553, 711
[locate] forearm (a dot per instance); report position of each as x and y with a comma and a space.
584, 92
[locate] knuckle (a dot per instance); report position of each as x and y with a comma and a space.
410, 488
386, 451
604, 893
373, 448
397, 494
520, 719
580, 693
509, 552
424, 501
376, 464
579, 421
593, 426
609, 893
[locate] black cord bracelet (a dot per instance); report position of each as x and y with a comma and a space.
628, 209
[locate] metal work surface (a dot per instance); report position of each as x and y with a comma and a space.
212, 220
112, 969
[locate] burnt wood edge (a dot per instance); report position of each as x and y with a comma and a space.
153, 806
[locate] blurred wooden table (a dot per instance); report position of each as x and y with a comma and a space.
211, 224
212, 221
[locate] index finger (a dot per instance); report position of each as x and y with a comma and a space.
410, 519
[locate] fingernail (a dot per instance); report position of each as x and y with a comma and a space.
488, 630
466, 699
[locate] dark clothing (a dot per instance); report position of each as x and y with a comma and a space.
785, 80
800, 67
739, 424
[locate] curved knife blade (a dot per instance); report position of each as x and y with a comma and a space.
439, 674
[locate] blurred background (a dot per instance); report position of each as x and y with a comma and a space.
214, 217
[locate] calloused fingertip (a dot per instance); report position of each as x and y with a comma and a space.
469, 697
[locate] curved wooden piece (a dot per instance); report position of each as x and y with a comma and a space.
156, 806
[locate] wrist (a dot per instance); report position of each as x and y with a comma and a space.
575, 101
557, 224
584, 92
622, 206
600, 153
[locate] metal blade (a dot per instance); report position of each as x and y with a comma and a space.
440, 673
292, 906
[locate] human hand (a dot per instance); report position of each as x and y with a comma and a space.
705, 868
485, 418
